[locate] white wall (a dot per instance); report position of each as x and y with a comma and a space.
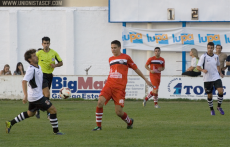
81, 36
93, 35
155, 10
4, 39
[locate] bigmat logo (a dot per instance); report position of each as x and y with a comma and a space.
215, 38
82, 88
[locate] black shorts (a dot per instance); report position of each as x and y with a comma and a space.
47, 80
42, 104
208, 86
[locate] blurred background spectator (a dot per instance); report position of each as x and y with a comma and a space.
6, 70
222, 58
192, 70
19, 69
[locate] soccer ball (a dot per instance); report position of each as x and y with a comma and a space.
65, 93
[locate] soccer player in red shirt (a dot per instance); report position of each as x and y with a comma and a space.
116, 85
157, 64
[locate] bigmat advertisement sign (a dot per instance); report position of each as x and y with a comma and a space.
89, 87
188, 87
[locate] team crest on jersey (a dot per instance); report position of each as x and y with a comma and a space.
121, 61
47, 102
121, 101
53, 59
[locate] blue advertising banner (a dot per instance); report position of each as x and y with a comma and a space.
175, 39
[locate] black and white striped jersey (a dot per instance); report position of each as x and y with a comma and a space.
34, 77
210, 63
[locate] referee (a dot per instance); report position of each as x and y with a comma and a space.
46, 59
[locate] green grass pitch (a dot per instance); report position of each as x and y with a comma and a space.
176, 123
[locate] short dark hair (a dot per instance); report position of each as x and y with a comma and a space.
211, 44
45, 39
219, 45
157, 48
118, 43
40, 49
28, 54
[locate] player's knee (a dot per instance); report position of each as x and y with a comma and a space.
220, 94
52, 110
209, 95
119, 113
100, 102
155, 91
30, 114
47, 95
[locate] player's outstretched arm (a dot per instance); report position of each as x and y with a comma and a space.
24, 87
143, 77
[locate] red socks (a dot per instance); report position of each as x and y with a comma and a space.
149, 96
99, 113
155, 97
126, 118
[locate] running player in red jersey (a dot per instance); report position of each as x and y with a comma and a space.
116, 85
157, 64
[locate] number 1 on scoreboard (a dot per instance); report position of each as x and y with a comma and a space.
171, 13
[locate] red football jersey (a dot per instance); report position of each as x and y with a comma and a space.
119, 70
155, 63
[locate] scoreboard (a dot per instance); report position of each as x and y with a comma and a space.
169, 10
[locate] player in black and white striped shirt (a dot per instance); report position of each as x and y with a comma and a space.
211, 75
34, 94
